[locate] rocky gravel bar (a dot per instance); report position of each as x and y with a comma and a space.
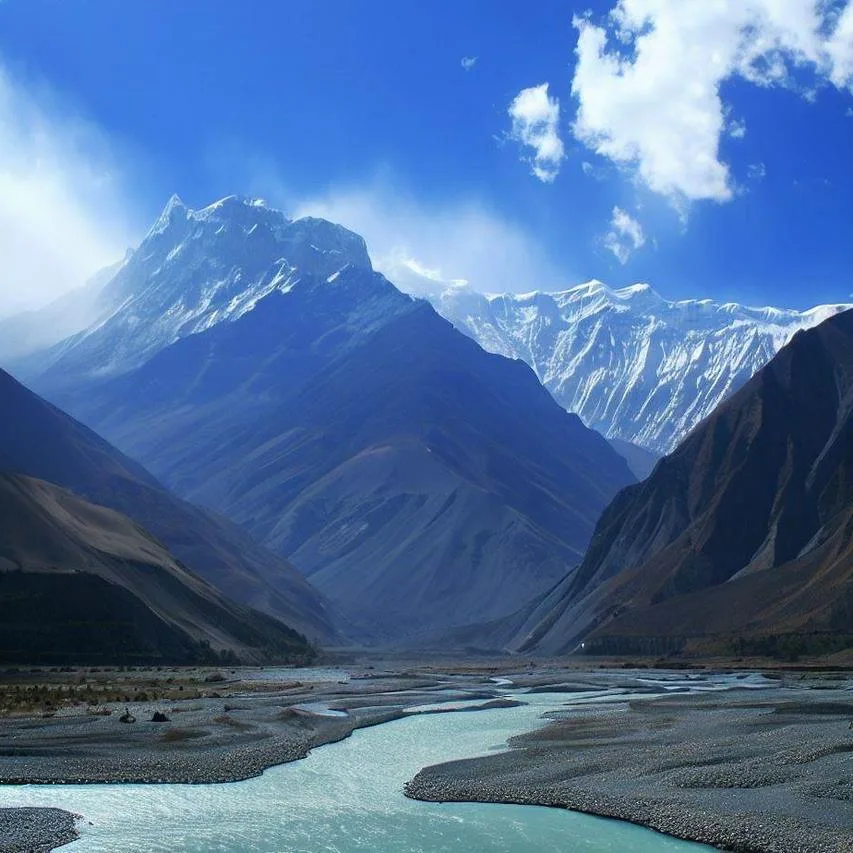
35, 830
236, 731
768, 771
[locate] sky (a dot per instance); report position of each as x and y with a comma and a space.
702, 147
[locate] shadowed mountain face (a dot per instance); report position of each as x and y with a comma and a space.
80, 583
744, 533
38, 440
418, 481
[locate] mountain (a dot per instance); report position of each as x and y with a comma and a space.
40, 441
633, 365
640, 461
742, 538
260, 367
80, 583
194, 270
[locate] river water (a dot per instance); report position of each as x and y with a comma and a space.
343, 798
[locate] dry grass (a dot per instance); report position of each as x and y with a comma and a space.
180, 735
228, 720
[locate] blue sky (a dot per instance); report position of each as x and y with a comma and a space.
734, 183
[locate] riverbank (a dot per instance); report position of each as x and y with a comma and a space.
761, 770
746, 771
35, 830
232, 728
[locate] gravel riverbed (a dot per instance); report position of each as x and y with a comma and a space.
35, 830
753, 771
745, 771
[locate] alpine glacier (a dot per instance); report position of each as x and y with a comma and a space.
633, 365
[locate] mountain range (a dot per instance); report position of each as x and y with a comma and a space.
260, 367
331, 451
741, 540
634, 366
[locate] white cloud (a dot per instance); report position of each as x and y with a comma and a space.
839, 48
625, 235
535, 124
737, 128
468, 62
61, 217
413, 244
648, 80
756, 171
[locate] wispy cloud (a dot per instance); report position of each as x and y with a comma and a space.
62, 215
648, 80
468, 62
535, 124
412, 243
737, 128
625, 235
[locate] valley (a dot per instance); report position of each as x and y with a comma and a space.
267, 520
586, 738
426, 427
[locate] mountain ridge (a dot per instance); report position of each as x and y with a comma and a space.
80, 582
220, 260
633, 365
742, 534
341, 422
43, 442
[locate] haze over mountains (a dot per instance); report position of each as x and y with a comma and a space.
387, 479
37, 440
742, 539
634, 366
260, 367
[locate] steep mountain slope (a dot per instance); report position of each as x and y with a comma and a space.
416, 479
81, 583
634, 366
744, 533
41, 441
194, 270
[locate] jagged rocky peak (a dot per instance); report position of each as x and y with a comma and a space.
198, 268
634, 365
742, 532
253, 220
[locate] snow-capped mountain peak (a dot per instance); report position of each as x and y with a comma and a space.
197, 268
632, 364
174, 210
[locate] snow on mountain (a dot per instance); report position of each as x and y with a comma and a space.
633, 365
264, 369
197, 268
